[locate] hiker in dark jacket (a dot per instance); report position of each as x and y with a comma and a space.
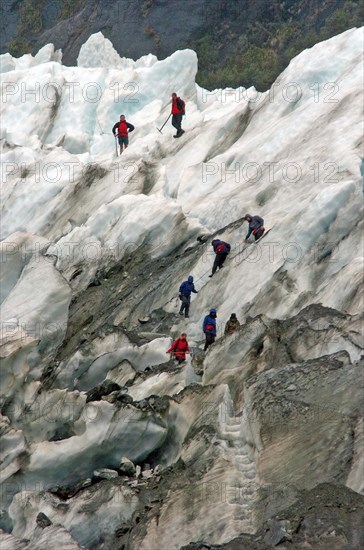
232, 324
178, 110
221, 250
209, 328
121, 129
179, 348
256, 226
185, 295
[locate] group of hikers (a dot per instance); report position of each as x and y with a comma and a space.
180, 348
122, 128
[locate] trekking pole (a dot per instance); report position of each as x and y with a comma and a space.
116, 145
160, 129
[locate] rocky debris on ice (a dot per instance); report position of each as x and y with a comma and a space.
42, 520
328, 516
101, 390
105, 473
126, 467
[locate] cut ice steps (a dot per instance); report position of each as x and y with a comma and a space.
241, 491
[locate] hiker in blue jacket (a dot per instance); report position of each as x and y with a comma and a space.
221, 250
185, 295
256, 226
209, 328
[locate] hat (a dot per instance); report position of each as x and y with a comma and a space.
233, 316
212, 310
190, 279
248, 216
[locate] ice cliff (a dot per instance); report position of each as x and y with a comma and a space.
93, 250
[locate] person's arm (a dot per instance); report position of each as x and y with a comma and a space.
249, 233
130, 127
173, 346
227, 328
194, 290
116, 126
203, 325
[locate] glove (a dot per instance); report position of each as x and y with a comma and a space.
180, 296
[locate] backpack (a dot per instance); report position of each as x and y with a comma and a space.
223, 247
181, 105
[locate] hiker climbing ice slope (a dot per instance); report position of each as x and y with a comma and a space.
178, 110
179, 348
256, 226
209, 328
185, 290
221, 250
232, 324
121, 129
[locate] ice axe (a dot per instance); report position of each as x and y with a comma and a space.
160, 129
116, 145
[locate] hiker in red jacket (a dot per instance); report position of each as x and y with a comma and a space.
178, 110
179, 348
122, 128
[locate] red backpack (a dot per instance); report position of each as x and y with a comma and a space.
123, 129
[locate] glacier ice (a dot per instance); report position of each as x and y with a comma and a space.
92, 242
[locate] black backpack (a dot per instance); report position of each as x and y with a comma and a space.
181, 105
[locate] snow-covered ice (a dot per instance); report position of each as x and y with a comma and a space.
72, 210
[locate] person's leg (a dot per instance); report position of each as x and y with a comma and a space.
183, 304
175, 123
259, 233
216, 263
187, 305
206, 342
222, 259
125, 142
210, 339
187, 309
